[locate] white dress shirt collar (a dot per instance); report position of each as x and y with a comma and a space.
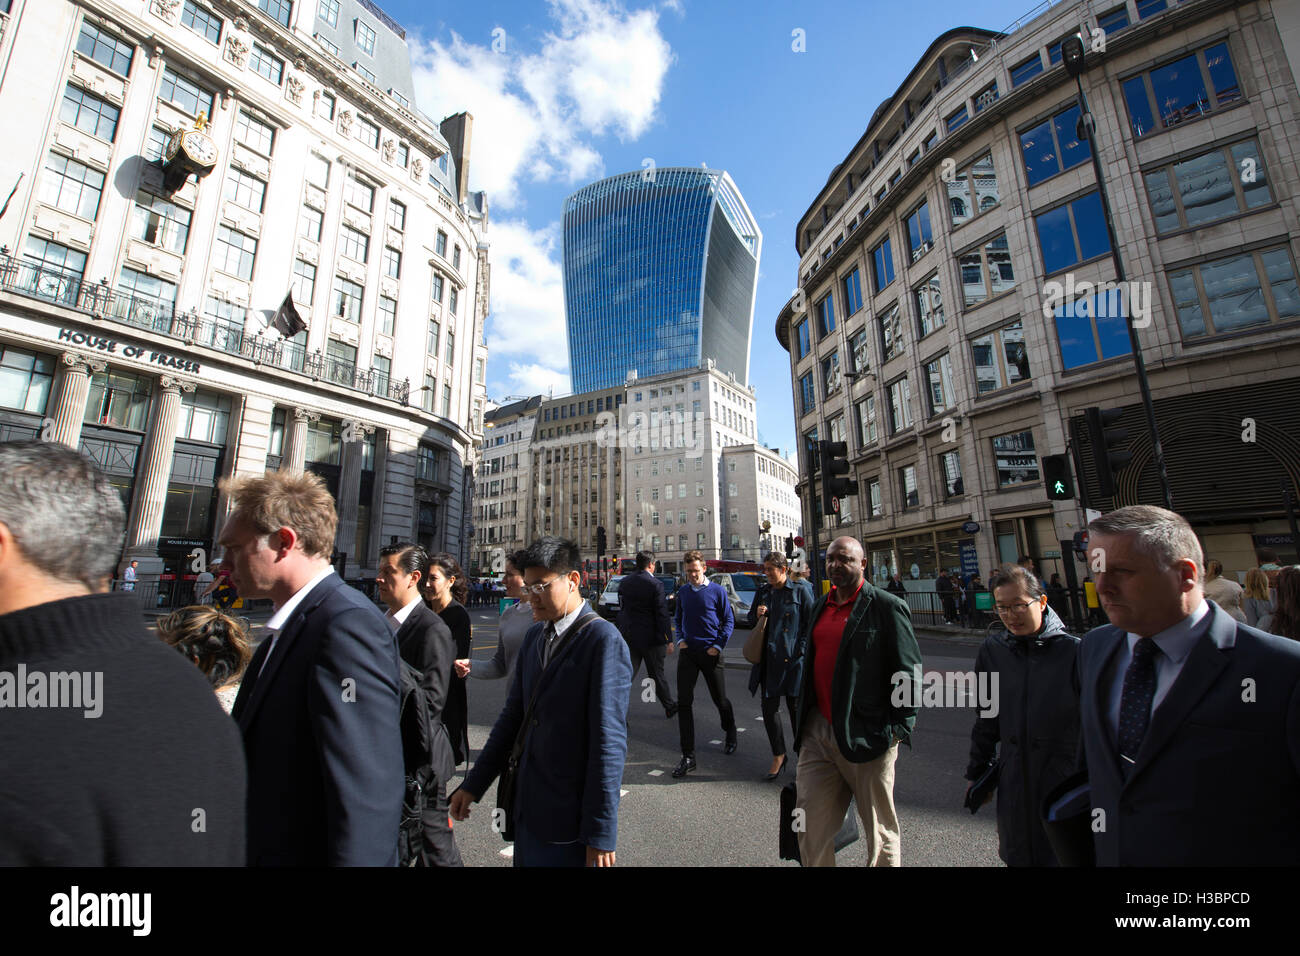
1177, 641
397, 618
281, 616
564, 623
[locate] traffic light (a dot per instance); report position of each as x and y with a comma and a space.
1056, 474
600, 542
834, 463
1103, 436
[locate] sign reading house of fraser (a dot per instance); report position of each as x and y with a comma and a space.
114, 347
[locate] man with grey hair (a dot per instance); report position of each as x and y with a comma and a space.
1190, 719
116, 751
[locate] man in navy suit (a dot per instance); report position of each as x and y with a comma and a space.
1190, 720
577, 668
318, 705
644, 623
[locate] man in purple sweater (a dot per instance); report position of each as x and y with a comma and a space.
704, 623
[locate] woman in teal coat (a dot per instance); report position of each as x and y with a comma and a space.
780, 670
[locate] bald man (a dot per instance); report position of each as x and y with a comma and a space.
860, 645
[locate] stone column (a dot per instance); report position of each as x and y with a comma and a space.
345, 538
74, 389
153, 477
294, 456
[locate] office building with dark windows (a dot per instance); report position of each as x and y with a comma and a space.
660, 272
957, 310
185, 166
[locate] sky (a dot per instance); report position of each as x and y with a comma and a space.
565, 92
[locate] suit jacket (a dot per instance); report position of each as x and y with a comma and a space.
643, 612
1216, 781
572, 763
425, 642
321, 734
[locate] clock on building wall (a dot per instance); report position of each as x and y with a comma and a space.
188, 151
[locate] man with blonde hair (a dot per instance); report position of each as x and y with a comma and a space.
319, 703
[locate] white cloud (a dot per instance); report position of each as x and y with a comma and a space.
537, 380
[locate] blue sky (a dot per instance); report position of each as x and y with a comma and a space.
564, 92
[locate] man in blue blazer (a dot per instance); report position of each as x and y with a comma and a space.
1190, 720
318, 705
577, 666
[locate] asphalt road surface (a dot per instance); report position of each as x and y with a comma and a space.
724, 814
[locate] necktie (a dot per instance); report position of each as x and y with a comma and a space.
1135, 700
549, 646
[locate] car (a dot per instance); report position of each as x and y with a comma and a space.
741, 596
607, 605
670, 584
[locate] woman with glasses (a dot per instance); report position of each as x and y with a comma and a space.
1033, 736
446, 592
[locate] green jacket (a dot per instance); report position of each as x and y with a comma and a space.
878, 643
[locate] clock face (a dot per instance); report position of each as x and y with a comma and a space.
200, 148
173, 146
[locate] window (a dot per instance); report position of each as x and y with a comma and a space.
279, 10
347, 299
1238, 292
956, 120
1223, 182
801, 339
403, 155
1092, 329
1001, 358
1017, 463
890, 323
365, 38
808, 394
205, 416
1053, 146
368, 132
184, 94
452, 298
910, 495
858, 362
354, 244
446, 401
245, 190
867, 429
234, 252
105, 49
266, 64
328, 45
88, 113
304, 282
396, 215
160, 222
71, 186
253, 133
450, 355
25, 379
825, 317
987, 96
318, 171
1114, 21
309, 225
440, 244
119, 399
155, 144
367, 74
359, 194
431, 341
900, 406
426, 402
950, 474
1148, 8
325, 105
1179, 91
928, 300
920, 238
142, 285
938, 378
455, 257
974, 190
387, 315
873, 495
831, 374
1072, 233
437, 288
986, 271
400, 100
882, 265
383, 367
931, 140
1054, 55
47, 255
392, 263
328, 10
1026, 70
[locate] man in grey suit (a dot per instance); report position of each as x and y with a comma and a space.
1190, 720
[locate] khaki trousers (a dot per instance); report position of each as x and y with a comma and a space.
826, 782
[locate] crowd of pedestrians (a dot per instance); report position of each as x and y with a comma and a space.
341, 733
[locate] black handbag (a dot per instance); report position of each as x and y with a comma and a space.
509, 781
788, 839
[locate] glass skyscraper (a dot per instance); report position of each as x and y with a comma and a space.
660, 271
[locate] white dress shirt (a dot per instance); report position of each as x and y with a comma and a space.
396, 619
281, 616
1173, 643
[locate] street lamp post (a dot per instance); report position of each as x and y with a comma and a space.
1072, 54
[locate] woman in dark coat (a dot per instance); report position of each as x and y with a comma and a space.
788, 608
446, 593
1035, 732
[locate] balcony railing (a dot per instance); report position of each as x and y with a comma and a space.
160, 316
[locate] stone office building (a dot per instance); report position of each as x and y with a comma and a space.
135, 306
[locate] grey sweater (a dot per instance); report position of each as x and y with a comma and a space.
513, 625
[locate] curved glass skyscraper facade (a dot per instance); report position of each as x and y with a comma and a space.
660, 271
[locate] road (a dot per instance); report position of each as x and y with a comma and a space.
724, 814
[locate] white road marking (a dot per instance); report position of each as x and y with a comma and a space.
509, 851
656, 773
623, 793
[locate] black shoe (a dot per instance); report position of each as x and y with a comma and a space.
685, 767
779, 770
671, 711
730, 748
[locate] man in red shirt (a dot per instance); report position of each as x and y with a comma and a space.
861, 648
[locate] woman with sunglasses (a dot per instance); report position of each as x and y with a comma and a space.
1034, 733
